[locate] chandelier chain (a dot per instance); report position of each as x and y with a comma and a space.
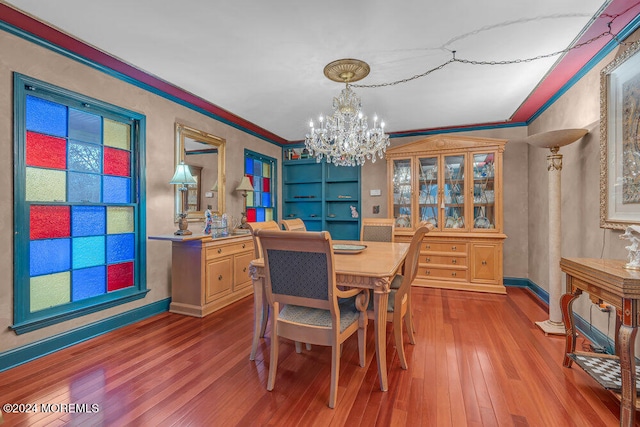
506, 62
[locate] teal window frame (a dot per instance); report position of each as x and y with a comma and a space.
248, 154
24, 319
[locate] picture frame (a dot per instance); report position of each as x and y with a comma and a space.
620, 140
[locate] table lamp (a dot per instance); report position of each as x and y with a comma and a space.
245, 186
183, 177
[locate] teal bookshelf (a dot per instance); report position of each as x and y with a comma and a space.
322, 194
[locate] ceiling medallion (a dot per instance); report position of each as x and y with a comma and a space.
343, 138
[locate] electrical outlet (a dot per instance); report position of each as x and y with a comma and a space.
376, 209
604, 307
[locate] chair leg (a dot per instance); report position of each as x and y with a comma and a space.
362, 338
335, 370
273, 364
397, 334
261, 315
408, 320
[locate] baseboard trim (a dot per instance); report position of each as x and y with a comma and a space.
583, 326
26, 353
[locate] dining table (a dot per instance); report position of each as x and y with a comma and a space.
363, 265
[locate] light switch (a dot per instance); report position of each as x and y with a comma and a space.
375, 192
208, 194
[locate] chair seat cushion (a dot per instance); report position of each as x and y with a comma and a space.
318, 317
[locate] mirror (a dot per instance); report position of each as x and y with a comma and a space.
204, 153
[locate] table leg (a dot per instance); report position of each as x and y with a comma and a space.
380, 302
626, 342
566, 306
260, 311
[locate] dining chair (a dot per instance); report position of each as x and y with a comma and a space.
377, 229
399, 306
300, 283
295, 224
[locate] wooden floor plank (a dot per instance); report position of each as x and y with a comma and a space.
479, 360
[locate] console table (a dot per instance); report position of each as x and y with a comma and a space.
606, 280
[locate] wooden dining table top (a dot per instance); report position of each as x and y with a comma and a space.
378, 259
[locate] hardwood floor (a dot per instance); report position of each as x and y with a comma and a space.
479, 360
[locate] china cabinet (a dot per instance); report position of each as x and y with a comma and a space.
322, 194
455, 183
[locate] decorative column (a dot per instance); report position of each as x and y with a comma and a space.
554, 140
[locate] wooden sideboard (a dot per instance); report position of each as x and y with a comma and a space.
208, 274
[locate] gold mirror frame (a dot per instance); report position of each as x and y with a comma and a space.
620, 140
182, 132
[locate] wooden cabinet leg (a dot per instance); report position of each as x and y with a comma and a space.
566, 305
626, 338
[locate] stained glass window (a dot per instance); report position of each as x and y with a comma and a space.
77, 194
261, 203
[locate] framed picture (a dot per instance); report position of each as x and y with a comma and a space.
620, 141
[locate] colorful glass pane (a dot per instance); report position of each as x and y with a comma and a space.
268, 214
248, 166
46, 151
46, 117
49, 291
48, 222
120, 247
45, 185
119, 220
85, 126
257, 198
266, 170
84, 187
88, 220
250, 199
260, 217
88, 282
117, 134
49, 256
266, 184
257, 183
257, 167
266, 199
251, 215
119, 276
85, 157
117, 162
116, 189
88, 251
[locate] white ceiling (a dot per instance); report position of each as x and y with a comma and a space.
263, 60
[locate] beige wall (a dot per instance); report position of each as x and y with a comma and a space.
582, 236
21, 56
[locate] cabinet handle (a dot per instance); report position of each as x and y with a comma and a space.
428, 272
428, 259
453, 274
243, 246
454, 248
244, 270
484, 262
220, 277
454, 261
220, 250
428, 246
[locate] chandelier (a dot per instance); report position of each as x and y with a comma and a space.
344, 138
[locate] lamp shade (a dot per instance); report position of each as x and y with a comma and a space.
245, 184
183, 175
215, 187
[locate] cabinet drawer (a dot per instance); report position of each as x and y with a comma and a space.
442, 273
453, 246
460, 260
224, 250
219, 279
241, 270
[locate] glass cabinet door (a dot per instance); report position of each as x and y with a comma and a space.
428, 184
484, 210
402, 193
454, 191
